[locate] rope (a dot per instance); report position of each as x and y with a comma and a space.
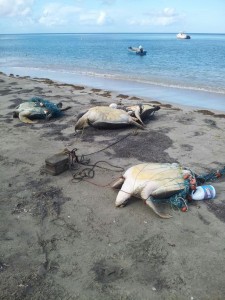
211, 176
74, 158
116, 142
90, 172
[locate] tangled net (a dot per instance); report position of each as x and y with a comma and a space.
179, 200
51, 107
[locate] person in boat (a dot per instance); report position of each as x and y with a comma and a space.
141, 49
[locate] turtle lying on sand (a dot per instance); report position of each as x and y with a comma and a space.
37, 108
151, 181
105, 117
140, 111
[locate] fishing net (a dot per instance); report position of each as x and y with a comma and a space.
211, 176
179, 200
52, 108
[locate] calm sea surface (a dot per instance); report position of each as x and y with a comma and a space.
189, 72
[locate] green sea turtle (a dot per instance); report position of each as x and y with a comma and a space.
105, 117
151, 181
37, 108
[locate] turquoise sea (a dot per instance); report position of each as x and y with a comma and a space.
189, 72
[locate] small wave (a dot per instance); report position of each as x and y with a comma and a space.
144, 81
151, 82
178, 86
45, 71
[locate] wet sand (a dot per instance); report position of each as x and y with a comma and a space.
66, 240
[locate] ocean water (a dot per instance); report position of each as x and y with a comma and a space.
189, 72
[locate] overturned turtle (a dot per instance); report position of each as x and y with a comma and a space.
147, 110
105, 117
140, 111
150, 181
38, 108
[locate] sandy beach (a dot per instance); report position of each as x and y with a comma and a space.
66, 240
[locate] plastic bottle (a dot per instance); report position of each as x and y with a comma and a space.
204, 192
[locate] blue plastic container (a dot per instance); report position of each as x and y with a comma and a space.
204, 192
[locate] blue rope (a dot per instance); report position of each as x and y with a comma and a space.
211, 176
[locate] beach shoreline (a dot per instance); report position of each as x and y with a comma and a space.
66, 240
200, 99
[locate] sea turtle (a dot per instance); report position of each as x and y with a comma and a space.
147, 110
150, 181
37, 108
140, 111
105, 117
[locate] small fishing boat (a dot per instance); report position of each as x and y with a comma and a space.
139, 51
183, 36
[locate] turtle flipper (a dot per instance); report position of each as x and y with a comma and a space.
66, 108
23, 116
137, 115
124, 194
122, 198
133, 122
118, 183
154, 208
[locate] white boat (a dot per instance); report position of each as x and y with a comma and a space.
183, 36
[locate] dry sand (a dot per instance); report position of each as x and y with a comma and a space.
66, 240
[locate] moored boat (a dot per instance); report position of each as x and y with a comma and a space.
139, 51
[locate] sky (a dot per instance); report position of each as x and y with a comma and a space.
108, 16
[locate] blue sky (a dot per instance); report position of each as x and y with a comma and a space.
71, 16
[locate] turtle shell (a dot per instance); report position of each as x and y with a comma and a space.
155, 179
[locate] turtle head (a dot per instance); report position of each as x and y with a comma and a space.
81, 123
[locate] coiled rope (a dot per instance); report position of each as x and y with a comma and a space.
89, 172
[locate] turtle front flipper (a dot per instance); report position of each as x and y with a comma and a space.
150, 203
23, 116
124, 194
137, 112
133, 122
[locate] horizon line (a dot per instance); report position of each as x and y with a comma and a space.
110, 33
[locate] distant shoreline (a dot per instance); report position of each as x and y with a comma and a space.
202, 33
